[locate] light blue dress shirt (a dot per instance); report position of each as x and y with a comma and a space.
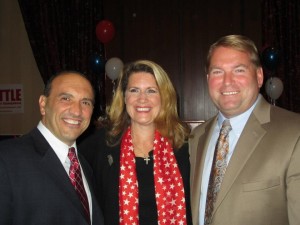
237, 123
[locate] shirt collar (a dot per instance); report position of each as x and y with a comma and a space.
238, 122
60, 148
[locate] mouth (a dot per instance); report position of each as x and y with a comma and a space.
228, 93
143, 109
72, 122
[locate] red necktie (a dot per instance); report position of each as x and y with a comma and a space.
217, 170
76, 180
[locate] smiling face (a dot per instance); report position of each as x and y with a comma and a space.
67, 111
233, 81
142, 99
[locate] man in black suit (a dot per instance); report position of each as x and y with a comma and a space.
35, 187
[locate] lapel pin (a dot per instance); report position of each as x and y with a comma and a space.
110, 159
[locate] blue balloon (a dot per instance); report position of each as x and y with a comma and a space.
97, 63
270, 58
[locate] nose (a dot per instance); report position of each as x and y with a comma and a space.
76, 108
228, 78
142, 96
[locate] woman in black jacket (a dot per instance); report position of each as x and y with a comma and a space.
140, 159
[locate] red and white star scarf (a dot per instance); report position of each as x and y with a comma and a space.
169, 190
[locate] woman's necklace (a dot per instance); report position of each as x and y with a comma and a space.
146, 157
140, 150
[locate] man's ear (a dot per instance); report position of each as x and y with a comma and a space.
42, 104
260, 76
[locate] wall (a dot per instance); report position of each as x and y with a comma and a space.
18, 67
173, 33
176, 34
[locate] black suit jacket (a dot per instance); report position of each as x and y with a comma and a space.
105, 162
35, 188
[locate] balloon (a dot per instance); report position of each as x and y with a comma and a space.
113, 67
105, 31
270, 58
274, 87
97, 63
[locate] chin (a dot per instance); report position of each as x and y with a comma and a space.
145, 123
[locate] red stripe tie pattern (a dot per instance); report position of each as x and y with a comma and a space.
76, 180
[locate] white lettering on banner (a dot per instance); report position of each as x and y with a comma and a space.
11, 98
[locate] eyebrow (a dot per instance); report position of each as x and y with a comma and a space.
236, 66
213, 68
89, 99
241, 65
70, 95
141, 88
65, 94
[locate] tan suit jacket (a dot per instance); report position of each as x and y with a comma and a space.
262, 181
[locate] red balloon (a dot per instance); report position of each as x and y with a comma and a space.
105, 31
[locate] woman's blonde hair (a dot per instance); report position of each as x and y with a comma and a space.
167, 122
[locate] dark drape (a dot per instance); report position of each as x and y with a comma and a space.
62, 37
281, 29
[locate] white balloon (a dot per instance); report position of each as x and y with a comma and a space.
113, 67
274, 87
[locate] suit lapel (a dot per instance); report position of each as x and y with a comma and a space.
55, 170
200, 142
96, 211
246, 145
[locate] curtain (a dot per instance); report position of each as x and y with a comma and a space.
281, 30
62, 36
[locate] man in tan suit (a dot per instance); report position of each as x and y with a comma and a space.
261, 185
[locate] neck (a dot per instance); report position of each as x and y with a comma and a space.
142, 140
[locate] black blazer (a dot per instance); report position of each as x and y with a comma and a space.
105, 162
35, 188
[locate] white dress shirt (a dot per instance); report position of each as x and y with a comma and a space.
61, 150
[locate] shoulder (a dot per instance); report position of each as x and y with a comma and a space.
182, 154
95, 149
93, 140
17, 145
284, 119
25, 150
268, 114
281, 112
182, 149
202, 128
183, 161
